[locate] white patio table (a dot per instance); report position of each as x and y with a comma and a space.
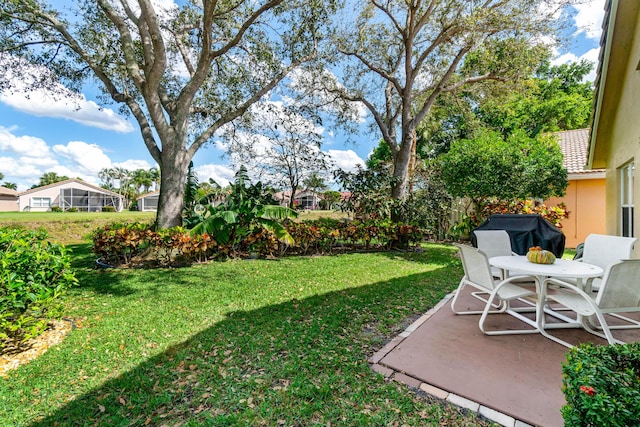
561, 268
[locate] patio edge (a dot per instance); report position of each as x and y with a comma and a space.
431, 390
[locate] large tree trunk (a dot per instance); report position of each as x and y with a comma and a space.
172, 182
401, 167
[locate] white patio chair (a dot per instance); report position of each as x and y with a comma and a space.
494, 243
603, 250
477, 274
619, 293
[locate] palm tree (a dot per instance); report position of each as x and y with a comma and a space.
106, 176
142, 180
155, 177
10, 185
315, 184
50, 178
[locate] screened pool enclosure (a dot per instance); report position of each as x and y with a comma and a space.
88, 201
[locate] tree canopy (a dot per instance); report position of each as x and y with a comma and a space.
489, 166
555, 98
398, 58
182, 72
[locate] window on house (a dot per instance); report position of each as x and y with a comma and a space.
626, 200
40, 202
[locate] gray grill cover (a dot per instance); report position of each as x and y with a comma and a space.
526, 231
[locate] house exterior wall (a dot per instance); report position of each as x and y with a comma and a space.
587, 213
26, 200
8, 203
617, 139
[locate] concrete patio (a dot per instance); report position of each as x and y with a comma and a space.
514, 380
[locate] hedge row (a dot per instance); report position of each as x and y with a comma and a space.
137, 244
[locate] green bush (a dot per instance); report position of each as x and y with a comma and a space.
602, 385
56, 209
108, 209
33, 272
72, 210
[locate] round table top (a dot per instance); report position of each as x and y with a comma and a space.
560, 268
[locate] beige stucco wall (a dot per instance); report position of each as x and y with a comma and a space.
52, 192
8, 204
619, 123
585, 202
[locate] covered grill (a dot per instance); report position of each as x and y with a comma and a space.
526, 231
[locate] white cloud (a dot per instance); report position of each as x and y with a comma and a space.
45, 104
221, 174
589, 18
86, 158
347, 160
17, 168
563, 59
133, 165
55, 100
26, 145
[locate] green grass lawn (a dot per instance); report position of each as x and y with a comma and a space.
259, 342
69, 227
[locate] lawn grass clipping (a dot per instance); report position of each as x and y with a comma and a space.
236, 343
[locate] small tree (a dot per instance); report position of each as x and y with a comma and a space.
283, 148
369, 193
489, 166
331, 198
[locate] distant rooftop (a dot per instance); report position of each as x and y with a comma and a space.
4, 191
575, 146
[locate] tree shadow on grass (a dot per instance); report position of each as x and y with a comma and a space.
301, 362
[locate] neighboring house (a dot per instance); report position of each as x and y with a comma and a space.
586, 190
148, 202
303, 199
67, 194
615, 132
8, 200
307, 200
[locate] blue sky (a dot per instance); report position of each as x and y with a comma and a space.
40, 134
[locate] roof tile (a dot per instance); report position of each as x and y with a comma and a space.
574, 145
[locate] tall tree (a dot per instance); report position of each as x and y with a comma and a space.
181, 71
400, 56
555, 98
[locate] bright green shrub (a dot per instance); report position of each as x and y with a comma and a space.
601, 385
56, 209
108, 209
33, 272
